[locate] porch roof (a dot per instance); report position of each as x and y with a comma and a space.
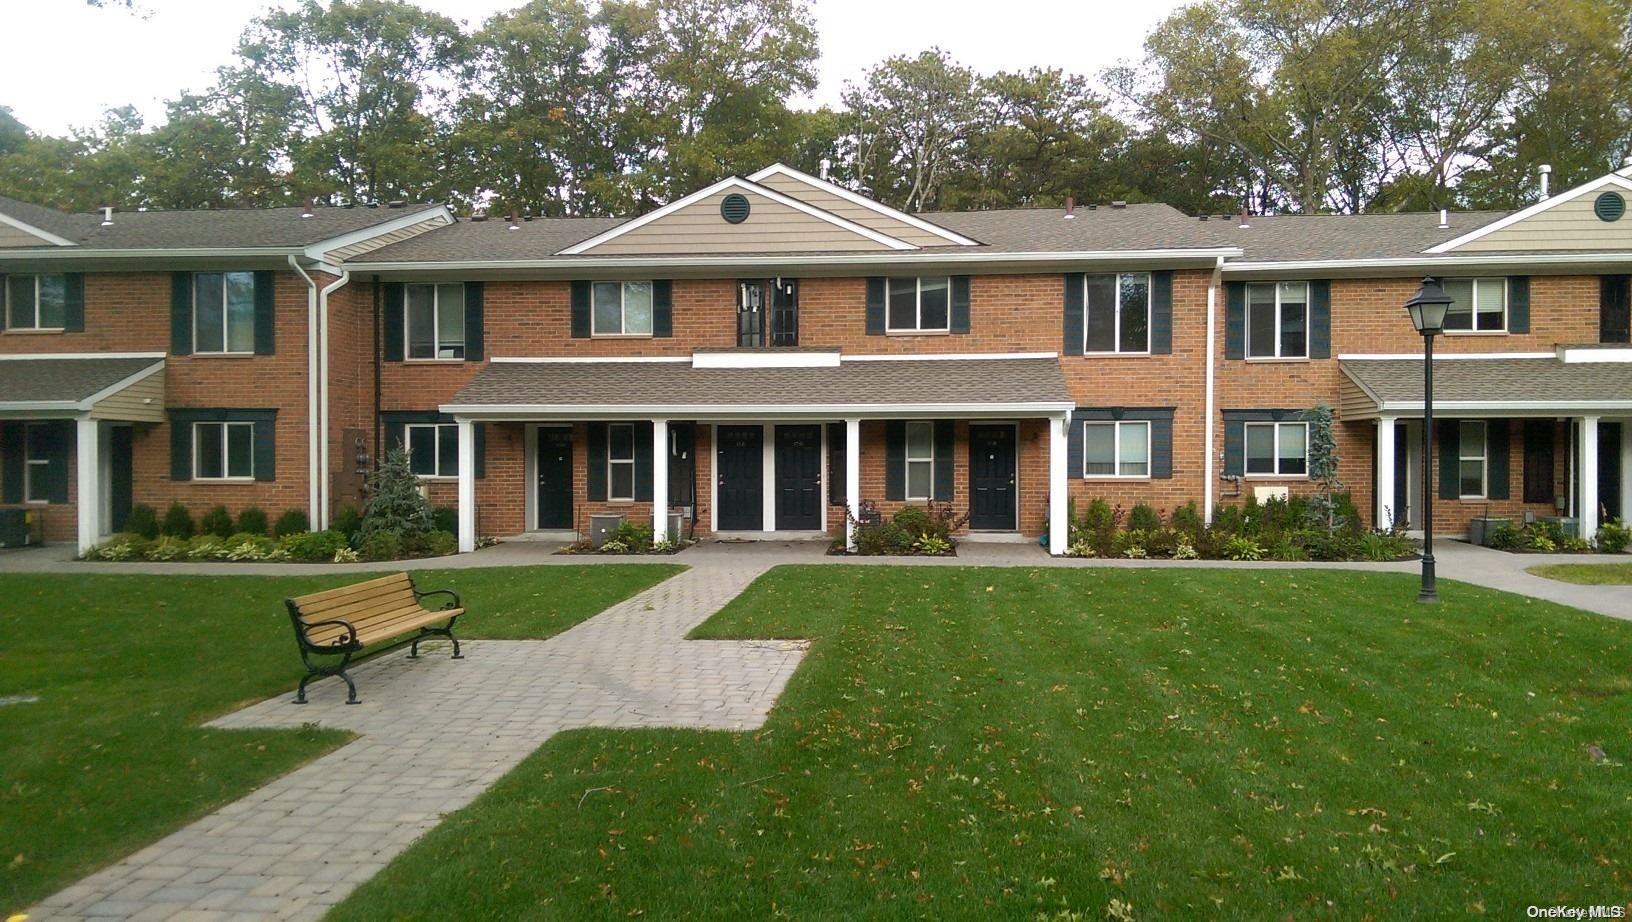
857, 386
124, 386
1486, 385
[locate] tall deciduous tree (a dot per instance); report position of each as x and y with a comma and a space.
910, 123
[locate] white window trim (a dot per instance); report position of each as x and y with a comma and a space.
1278, 356
623, 311
226, 315
918, 306
1116, 449
1277, 474
436, 325
1473, 300
634, 451
1116, 315
436, 436
226, 460
908, 460
1483, 457
5, 305
29, 464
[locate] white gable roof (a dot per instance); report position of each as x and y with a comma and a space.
1612, 182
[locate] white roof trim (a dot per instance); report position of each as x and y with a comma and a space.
1561, 406
765, 358
27, 228
81, 355
1611, 179
753, 411
1430, 264
854, 198
947, 356
1440, 357
120, 385
589, 359
736, 182
321, 248
983, 256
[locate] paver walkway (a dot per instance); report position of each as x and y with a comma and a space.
433, 734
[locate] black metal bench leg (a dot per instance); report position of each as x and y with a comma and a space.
300, 693
351, 687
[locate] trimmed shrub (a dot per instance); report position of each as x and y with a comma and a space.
292, 522
206, 547
167, 548
1504, 537
218, 522
382, 544
445, 518
245, 546
178, 522
252, 520
347, 521
312, 546
1143, 518
1613, 537
123, 546
1186, 519
440, 544
912, 519
142, 521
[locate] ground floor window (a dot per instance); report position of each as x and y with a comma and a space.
1116, 449
433, 449
620, 461
223, 451
1472, 459
1277, 449
920, 460
38, 439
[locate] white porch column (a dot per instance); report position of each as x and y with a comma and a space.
88, 455
660, 480
467, 486
1626, 471
852, 480
1059, 530
1587, 473
1386, 513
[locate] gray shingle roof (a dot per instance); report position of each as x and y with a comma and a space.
28, 380
540, 238
1331, 236
677, 384
213, 228
1494, 381
49, 220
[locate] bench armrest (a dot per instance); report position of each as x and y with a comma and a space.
348, 639
453, 597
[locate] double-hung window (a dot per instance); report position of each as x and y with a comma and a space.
37, 446
620, 462
224, 312
1116, 449
223, 451
36, 302
1117, 313
622, 308
1472, 459
435, 321
433, 449
1277, 449
918, 305
920, 459
1278, 320
1477, 305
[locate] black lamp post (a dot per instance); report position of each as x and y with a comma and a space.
1427, 309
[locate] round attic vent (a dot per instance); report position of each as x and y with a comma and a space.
734, 208
1609, 206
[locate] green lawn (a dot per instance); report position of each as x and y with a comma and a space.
1008, 743
1587, 574
126, 667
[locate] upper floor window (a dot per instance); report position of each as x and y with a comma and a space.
435, 321
1277, 449
1116, 449
224, 451
1278, 320
622, 308
918, 305
1477, 305
1472, 459
1117, 313
224, 312
433, 449
620, 462
36, 302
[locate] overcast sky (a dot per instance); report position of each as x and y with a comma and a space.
83, 60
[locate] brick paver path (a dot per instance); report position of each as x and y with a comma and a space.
433, 734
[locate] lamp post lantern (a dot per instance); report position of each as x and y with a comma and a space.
1427, 309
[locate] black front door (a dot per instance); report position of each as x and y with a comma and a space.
741, 469
991, 478
120, 475
554, 477
798, 478
1609, 469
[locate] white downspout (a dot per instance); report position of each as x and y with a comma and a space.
322, 521
313, 496
1207, 425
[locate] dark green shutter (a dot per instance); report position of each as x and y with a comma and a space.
1074, 461
11, 462
73, 308
960, 304
895, 460
682, 464
662, 308
1235, 446
1074, 315
1518, 304
1320, 319
1161, 446
3, 312
181, 446
1497, 453
475, 295
266, 451
875, 306
836, 464
595, 461
944, 459
1235, 320
480, 438
643, 462
1449, 449
266, 312
181, 313
1161, 312
59, 435
391, 323
580, 314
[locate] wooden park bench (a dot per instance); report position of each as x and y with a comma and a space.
341, 622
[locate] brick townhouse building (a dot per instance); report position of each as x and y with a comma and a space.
769, 352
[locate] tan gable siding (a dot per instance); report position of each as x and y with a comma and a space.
15, 237
772, 227
1570, 226
397, 236
141, 402
866, 217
